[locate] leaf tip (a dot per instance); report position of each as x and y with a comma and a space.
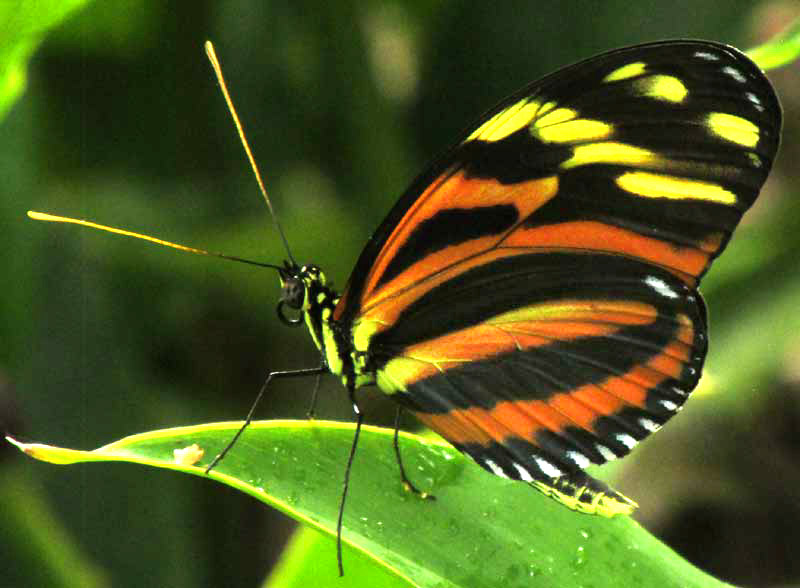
16, 443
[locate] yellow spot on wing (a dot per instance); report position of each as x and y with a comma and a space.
507, 121
755, 160
611, 152
400, 370
575, 130
547, 107
733, 128
557, 116
363, 331
626, 71
596, 311
652, 185
562, 125
662, 87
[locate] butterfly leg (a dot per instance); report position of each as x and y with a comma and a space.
271, 376
312, 409
407, 484
359, 421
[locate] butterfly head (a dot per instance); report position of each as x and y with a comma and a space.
301, 288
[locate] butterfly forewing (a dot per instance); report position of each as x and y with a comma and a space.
532, 295
653, 151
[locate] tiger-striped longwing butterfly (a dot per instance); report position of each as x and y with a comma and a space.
532, 297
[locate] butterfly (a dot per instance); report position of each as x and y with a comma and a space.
532, 296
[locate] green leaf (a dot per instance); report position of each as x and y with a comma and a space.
781, 50
306, 561
480, 531
24, 25
35, 539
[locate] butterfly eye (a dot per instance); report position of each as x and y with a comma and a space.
293, 292
292, 296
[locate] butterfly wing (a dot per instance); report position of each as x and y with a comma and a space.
547, 362
532, 296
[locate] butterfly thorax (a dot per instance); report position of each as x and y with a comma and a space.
306, 290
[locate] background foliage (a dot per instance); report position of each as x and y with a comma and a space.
343, 102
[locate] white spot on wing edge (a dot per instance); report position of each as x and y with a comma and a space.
524, 474
660, 286
649, 425
755, 100
734, 73
680, 391
668, 404
580, 459
607, 454
752, 98
626, 440
548, 469
495, 469
706, 55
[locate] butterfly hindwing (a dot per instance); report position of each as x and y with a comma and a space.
532, 296
541, 380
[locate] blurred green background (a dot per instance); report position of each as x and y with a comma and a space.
343, 103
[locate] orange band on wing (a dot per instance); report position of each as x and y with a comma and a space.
524, 328
597, 236
579, 407
386, 308
453, 191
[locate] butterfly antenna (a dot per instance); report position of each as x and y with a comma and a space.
212, 57
41, 216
